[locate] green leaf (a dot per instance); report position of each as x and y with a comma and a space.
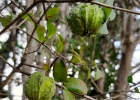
60, 44
52, 13
68, 95
5, 20
94, 64
85, 73
98, 74
137, 90
130, 79
112, 15
40, 32
103, 29
76, 85
59, 71
46, 67
76, 59
108, 11
72, 51
51, 30
26, 16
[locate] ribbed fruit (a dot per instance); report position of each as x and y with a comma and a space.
85, 19
39, 87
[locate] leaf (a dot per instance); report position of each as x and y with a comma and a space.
52, 13
137, 90
94, 64
46, 67
76, 59
5, 20
60, 44
40, 32
26, 16
112, 15
98, 74
85, 73
51, 30
68, 95
108, 11
59, 71
72, 51
130, 79
103, 29
76, 85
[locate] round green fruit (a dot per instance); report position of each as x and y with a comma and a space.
85, 19
39, 87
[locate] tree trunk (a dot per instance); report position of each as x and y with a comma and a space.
129, 43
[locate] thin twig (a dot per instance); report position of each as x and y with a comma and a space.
94, 2
32, 66
65, 1
36, 25
17, 81
7, 62
22, 10
5, 6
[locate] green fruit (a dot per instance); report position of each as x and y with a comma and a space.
85, 19
39, 87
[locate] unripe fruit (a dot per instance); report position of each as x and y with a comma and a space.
85, 19
39, 87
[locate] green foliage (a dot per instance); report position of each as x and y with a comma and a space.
5, 20
98, 74
82, 22
130, 79
137, 90
110, 15
51, 30
28, 17
59, 71
68, 95
40, 32
84, 71
76, 85
46, 67
76, 59
52, 13
60, 45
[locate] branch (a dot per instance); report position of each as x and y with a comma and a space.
65, 1
19, 16
112, 98
17, 81
94, 2
3, 83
